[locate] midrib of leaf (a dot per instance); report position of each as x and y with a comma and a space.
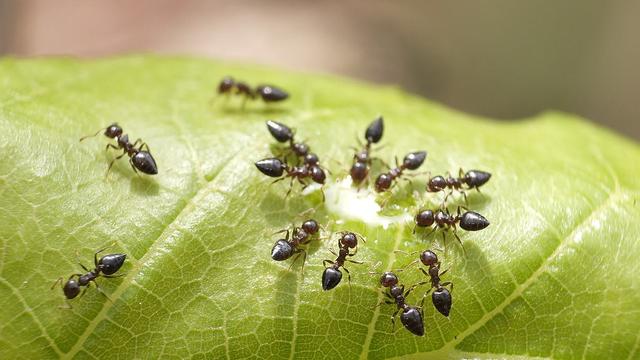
615, 196
128, 280
376, 313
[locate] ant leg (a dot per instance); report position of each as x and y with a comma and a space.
83, 292
95, 255
382, 302
460, 173
114, 160
393, 319
355, 262
82, 266
275, 181
333, 252
60, 279
460, 241
325, 262
446, 284
290, 188
111, 146
413, 287
101, 291
133, 167
348, 275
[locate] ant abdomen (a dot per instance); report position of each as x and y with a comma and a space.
110, 264
331, 278
144, 162
412, 321
472, 221
270, 93
281, 250
441, 299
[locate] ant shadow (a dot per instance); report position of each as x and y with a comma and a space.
144, 185
476, 266
243, 110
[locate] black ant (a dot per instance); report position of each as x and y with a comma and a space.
267, 93
274, 167
282, 133
441, 296
470, 221
285, 248
362, 160
411, 161
332, 275
138, 159
411, 316
472, 179
106, 266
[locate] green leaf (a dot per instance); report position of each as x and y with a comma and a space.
555, 275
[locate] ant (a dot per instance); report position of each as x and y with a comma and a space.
285, 248
362, 160
332, 275
282, 133
411, 317
274, 167
411, 161
106, 266
472, 179
138, 159
268, 93
470, 221
441, 296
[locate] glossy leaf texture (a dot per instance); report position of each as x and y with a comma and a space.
554, 275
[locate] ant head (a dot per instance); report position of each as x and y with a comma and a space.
476, 178
311, 159
225, 85
374, 131
425, 218
388, 279
383, 182
310, 226
112, 131
300, 149
71, 289
318, 175
349, 240
358, 171
281, 132
111, 263
436, 183
414, 160
272, 167
429, 258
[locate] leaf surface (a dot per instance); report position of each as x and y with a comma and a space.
555, 275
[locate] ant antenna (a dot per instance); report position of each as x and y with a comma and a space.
94, 135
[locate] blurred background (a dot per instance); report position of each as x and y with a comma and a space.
505, 59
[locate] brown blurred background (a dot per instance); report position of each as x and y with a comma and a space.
501, 58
